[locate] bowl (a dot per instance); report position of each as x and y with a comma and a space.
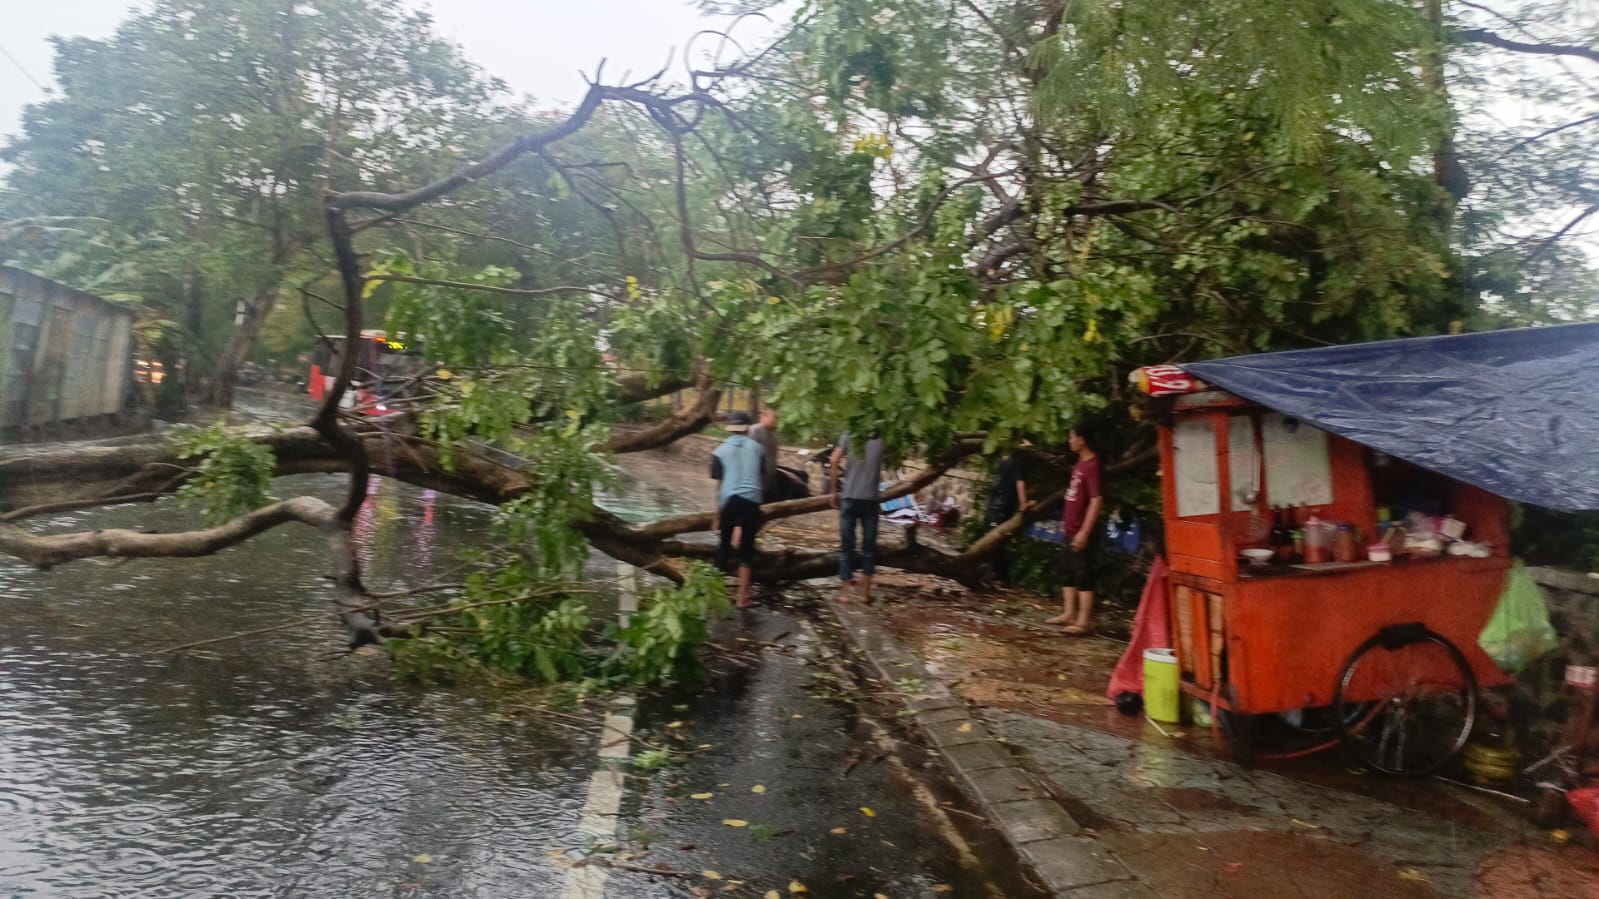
1257, 556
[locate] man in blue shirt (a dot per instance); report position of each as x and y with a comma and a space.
737, 467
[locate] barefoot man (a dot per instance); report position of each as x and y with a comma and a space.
1084, 500
736, 469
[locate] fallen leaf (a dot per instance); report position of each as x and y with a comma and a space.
1560, 836
423, 859
757, 789
706, 746
708, 874
773, 894
840, 830
878, 896
1235, 866
675, 724
943, 888
700, 891
868, 812
701, 795
1413, 874
797, 887
1305, 824
965, 728
796, 715
735, 822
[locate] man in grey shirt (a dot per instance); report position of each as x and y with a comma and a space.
857, 507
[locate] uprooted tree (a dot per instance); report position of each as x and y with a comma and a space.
955, 223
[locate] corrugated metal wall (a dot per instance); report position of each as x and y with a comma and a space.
64, 354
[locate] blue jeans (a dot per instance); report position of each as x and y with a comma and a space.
853, 512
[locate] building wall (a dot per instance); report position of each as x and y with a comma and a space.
65, 355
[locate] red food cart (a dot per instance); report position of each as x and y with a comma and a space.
1419, 441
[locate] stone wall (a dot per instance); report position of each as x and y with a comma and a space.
1540, 699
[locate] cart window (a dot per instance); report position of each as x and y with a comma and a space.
1194, 452
1297, 471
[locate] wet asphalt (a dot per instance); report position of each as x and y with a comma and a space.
278, 766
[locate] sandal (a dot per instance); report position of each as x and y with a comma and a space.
1076, 630
1058, 619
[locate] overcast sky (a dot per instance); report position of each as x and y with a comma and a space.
537, 46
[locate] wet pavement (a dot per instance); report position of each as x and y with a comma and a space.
1184, 818
280, 765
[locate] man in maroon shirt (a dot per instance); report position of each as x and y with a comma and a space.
1084, 501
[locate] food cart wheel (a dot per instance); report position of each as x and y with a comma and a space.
1273, 736
1425, 701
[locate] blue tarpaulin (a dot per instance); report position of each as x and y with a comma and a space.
1514, 412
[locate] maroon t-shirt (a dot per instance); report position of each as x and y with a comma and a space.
1084, 488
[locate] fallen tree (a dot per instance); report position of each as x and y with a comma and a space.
930, 229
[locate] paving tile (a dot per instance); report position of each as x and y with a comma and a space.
1033, 820
1067, 863
1116, 889
1005, 785
945, 734
951, 712
977, 756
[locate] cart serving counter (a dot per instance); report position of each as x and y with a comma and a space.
1336, 527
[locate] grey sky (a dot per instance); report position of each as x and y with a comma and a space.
537, 46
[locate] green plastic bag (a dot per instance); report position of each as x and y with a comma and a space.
1519, 630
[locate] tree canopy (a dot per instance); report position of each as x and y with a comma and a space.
954, 222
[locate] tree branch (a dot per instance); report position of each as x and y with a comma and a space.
55, 549
484, 288
1484, 36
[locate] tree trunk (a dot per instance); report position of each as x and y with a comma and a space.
225, 371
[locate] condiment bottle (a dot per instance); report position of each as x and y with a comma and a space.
1344, 544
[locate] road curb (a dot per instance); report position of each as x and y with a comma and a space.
1013, 799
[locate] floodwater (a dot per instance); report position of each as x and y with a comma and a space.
127, 771
278, 765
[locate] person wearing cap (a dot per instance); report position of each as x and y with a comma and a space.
736, 466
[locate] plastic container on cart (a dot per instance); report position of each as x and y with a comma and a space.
1160, 685
1319, 540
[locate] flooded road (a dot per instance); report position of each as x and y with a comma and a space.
278, 765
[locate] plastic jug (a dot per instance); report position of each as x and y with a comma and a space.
1318, 540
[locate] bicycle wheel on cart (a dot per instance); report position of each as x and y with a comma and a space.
1406, 701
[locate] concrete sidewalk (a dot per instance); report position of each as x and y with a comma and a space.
1100, 806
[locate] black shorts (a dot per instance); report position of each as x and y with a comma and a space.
1077, 566
739, 513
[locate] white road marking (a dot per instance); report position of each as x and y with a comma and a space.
599, 820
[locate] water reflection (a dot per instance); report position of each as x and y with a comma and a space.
271, 766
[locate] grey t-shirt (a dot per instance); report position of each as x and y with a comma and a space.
864, 473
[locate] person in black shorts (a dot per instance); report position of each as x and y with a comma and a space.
736, 467
1085, 500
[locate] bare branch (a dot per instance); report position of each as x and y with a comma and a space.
484, 288
55, 549
1484, 36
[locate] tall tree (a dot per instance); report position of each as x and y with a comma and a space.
204, 137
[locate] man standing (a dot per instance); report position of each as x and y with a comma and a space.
765, 433
858, 507
1007, 495
1084, 501
736, 468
